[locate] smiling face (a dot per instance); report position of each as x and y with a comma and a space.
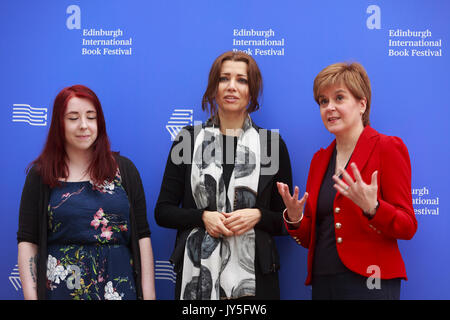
80, 125
232, 92
341, 112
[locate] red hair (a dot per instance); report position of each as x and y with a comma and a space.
52, 165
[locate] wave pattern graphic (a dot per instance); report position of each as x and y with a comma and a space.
179, 119
30, 115
14, 278
164, 271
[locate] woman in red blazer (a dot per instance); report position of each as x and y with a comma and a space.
358, 197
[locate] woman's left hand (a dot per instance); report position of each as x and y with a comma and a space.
362, 194
241, 221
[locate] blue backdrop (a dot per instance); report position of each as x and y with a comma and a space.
148, 61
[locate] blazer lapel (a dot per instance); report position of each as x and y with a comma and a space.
363, 149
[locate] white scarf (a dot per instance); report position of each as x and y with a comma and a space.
222, 268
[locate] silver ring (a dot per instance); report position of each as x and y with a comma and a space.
346, 188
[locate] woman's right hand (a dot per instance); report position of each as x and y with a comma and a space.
293, 205
213, 221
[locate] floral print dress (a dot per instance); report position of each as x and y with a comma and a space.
88, 253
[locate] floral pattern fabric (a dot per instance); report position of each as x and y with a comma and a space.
88, 238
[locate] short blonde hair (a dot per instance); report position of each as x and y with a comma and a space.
353, 76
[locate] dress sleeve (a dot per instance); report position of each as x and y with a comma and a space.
29, 209
173, 187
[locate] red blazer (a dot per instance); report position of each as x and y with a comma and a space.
361, 242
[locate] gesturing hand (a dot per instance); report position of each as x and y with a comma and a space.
293, 205
362, 194
213, 221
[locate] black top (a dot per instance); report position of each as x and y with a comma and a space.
33, 218
326, 258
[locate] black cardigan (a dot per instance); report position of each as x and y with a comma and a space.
34, 209
176, 190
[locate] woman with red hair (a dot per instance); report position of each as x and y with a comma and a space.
83, 230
